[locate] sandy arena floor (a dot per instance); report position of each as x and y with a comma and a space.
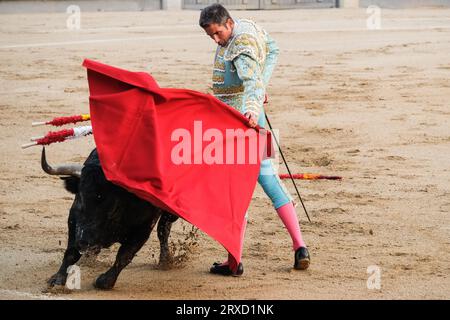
369, 105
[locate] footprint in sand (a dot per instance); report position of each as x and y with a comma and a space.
394, 158
323, 161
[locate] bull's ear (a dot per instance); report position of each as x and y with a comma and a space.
71, 183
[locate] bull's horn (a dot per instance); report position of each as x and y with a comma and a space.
62, 170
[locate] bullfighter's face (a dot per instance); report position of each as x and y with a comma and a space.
220, 33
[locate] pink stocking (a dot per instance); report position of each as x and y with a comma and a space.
288, 215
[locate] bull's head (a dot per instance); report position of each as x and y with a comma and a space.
96, 210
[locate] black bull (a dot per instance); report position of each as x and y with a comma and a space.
103, 214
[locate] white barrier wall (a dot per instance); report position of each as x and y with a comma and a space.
398, 4
347, 3
28, 6
23, 6
172, 5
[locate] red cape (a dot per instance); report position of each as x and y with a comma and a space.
133, 122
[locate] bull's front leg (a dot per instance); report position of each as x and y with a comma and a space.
71, 256
164, 226
124, 256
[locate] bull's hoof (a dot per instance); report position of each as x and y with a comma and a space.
57, 280
105, 282
166, 262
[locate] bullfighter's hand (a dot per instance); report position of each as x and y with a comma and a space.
252, 121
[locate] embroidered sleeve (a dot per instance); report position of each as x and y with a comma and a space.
271, 59
250, 73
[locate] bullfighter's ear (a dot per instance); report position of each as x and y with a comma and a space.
71, 183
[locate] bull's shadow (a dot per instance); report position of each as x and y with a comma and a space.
103, 214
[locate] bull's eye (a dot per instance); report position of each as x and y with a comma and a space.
99, 197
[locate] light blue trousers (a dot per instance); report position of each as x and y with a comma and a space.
269, 180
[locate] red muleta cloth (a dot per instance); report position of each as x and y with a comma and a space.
133, 122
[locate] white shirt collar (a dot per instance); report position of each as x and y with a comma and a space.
236, 25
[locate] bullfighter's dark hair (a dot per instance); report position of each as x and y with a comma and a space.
214, 13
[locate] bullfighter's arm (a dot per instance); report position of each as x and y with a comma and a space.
250, 73
271, 59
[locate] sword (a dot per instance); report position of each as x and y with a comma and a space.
287, 167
